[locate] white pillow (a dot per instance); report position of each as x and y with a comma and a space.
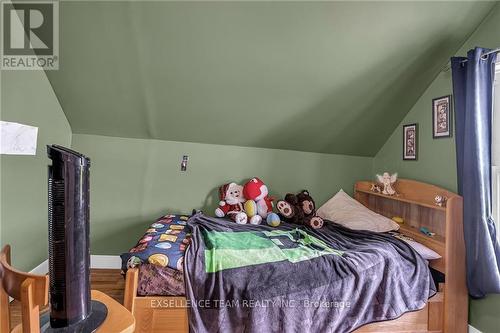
423, 250
343, 209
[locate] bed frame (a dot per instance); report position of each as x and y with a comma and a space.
447, 311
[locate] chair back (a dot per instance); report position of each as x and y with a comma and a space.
30, 289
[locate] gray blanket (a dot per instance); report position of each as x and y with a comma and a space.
245, 278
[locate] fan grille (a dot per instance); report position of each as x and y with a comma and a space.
57, 255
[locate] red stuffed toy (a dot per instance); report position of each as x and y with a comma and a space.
231, 203
256, 190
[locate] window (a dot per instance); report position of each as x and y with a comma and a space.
496, 149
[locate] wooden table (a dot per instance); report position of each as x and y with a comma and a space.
118, 320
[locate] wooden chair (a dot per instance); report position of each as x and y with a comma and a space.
30, 289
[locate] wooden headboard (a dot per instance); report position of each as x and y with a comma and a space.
415, 204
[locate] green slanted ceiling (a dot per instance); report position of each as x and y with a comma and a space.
332, 77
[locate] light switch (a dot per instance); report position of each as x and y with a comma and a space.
184, 163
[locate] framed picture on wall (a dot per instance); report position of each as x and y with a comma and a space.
441, 117
410, 142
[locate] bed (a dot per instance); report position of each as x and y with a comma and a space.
351, 280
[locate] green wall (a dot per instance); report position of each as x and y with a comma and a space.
436, 157
301, 75
28, 98
135, 180
436, 163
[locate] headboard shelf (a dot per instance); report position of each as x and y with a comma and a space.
416, 214
437, 243
420, 237
415, 204
400, 197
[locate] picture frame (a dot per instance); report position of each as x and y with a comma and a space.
410, 142
442, 112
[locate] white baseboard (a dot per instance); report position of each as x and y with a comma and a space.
41, 269
96, 261
472, 329
105, 262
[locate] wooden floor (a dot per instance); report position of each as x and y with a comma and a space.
109, 281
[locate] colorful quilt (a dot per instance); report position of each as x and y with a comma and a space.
163, 244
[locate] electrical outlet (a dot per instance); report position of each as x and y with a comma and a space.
184, 163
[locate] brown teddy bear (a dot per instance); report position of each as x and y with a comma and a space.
300, 209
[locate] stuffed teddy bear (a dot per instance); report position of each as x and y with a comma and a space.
256, 190
289, 209
300, 209
309, 208
231, 203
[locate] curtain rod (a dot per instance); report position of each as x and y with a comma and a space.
485, 55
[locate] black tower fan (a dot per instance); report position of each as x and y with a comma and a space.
71, 308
